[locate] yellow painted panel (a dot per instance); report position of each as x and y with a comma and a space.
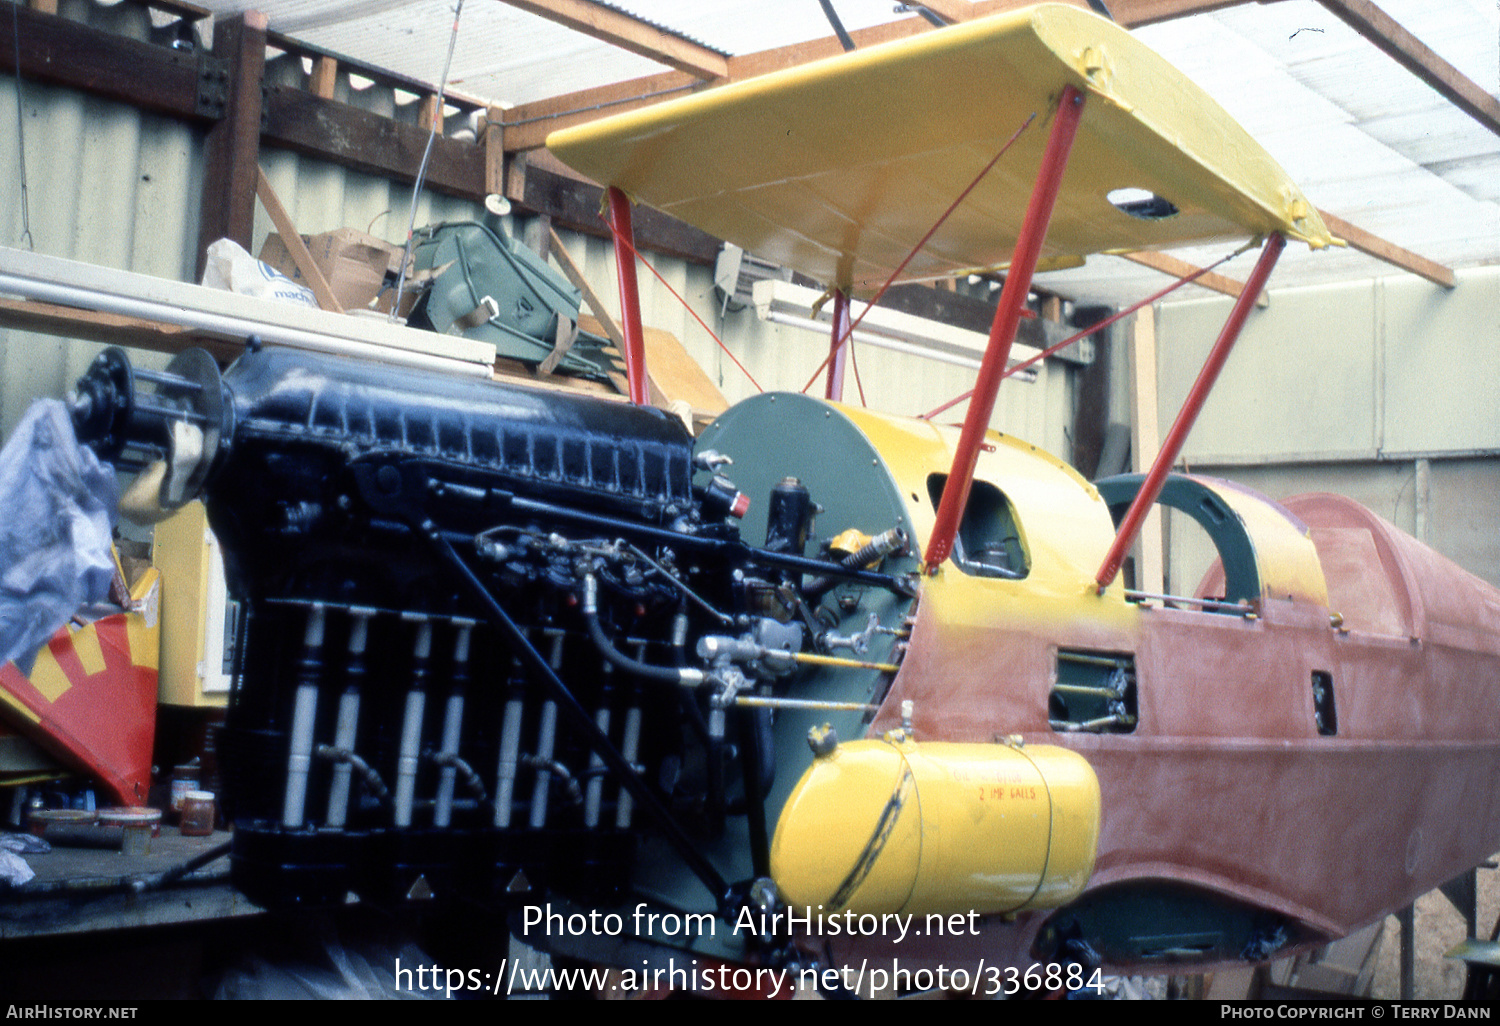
180, 552
86, 644
1284, 552
48, 677
838, 167
143, 631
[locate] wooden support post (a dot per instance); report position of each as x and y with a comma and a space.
431, 114
1145, 443
494, 155
232, 149
325, 75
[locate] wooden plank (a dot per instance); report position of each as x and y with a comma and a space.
230, 315
378, 75
231, 153
325, 75
527, 124
1168, 264
1135, 13
1145, 443
294, 244
951, 11
109, 329
1130, 13
1412, 54
494, 153
630, 33
431, 114
1375, 246
57, 51
673, 377
575, 275
679, 378
370, 142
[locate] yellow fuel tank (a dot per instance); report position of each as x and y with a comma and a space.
896, 825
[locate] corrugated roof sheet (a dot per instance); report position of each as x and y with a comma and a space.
1366, 139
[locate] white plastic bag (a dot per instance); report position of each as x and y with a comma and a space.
230, 268
57, 504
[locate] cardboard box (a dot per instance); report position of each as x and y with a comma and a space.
353, 262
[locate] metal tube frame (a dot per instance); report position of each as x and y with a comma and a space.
1151, 488
630, 296
1003, 328
837, 347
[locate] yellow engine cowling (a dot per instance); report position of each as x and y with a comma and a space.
896, 825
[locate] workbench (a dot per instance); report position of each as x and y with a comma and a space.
84, 890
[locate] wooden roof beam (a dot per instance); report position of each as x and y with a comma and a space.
1362, 15
1168, 264
1413, 55
1375, 246
1130, 13
1357, 238
632, 34
528, 123
948, 10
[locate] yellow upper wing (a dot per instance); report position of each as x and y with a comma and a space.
838, 167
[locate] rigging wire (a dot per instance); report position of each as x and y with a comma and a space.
1099, 326
15, 21
416, 189
849, 332
854, 365
619, 237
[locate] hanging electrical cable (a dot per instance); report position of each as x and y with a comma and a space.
416, 189
15, 20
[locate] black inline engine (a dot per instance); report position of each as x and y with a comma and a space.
491, 636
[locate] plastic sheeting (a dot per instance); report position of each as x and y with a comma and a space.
57, 503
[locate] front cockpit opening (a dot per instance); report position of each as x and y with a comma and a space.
989, 542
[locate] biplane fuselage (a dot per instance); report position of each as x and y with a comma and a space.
1301, 747
1303, 751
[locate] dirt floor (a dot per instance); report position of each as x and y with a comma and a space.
1439, 926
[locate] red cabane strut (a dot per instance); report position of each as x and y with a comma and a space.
1003, 328
1172, 445
630, 296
